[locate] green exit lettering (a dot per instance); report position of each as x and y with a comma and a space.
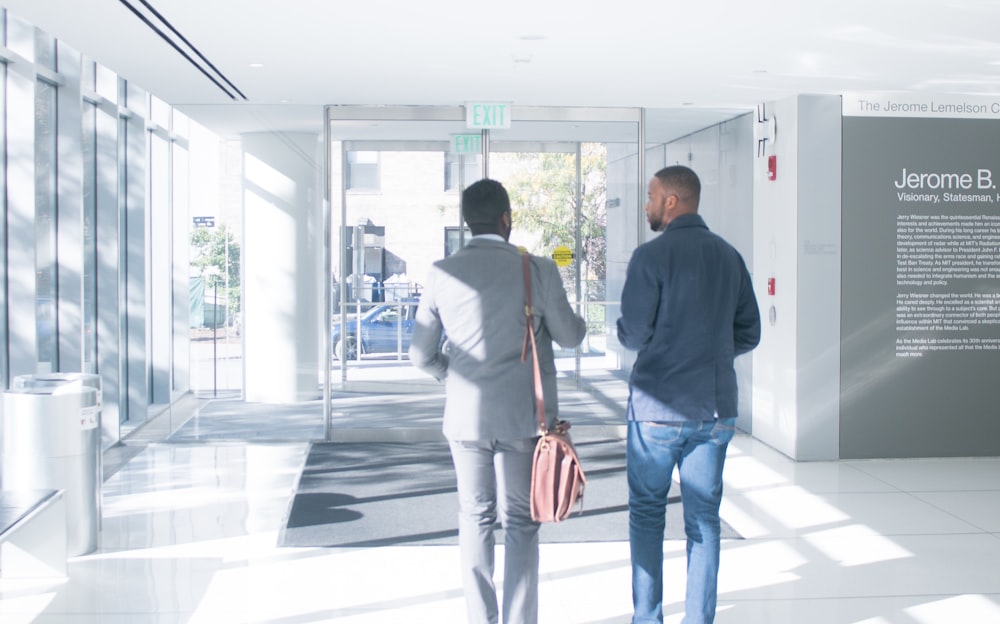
487, 115
466, 143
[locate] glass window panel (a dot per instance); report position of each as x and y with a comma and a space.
159, 270
45, 50
180, 218
159, 112
4, 343
106, 82
122, 194
45, 224
88, 76
181, 124
21, 37
135, 99
89, 238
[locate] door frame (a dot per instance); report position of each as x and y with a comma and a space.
523, 128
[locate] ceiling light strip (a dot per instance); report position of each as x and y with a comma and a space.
174, 45
191, 46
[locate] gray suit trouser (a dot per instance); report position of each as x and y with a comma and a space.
494, 478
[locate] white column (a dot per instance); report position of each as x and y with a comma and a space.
282, 262
796, 229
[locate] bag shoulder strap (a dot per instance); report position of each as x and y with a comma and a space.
529, 338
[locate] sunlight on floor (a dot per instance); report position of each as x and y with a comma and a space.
856, 545
190, 536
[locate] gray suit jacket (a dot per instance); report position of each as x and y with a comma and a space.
476, 297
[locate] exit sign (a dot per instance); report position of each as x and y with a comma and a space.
466, 143
487, 115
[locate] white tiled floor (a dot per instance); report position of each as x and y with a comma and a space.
189, 536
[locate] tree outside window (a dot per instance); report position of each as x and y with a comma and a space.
216, 258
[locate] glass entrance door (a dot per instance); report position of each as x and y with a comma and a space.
395, 181
395, 187
559, 191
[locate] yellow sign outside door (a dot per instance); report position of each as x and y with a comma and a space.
563, 255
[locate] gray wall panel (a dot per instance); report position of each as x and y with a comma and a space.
916, 392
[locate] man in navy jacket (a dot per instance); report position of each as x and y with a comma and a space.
689, 309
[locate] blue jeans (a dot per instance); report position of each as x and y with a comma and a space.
698, 448
494, 480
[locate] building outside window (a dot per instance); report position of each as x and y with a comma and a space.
461, 170
362, 171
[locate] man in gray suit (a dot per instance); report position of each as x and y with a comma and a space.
476, 297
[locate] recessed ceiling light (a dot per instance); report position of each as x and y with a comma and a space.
256, 65
532, 37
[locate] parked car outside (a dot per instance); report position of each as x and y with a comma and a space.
385, 328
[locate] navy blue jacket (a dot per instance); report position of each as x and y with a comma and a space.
689, 309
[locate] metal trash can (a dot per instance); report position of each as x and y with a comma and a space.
50, 438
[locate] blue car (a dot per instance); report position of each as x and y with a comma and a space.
386, 328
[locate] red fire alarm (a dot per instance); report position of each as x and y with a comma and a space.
772, 167
770, 285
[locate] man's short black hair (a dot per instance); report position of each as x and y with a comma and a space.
483, 203
681, 179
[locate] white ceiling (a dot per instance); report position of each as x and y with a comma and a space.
704, 60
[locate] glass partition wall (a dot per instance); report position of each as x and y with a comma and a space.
394, 182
